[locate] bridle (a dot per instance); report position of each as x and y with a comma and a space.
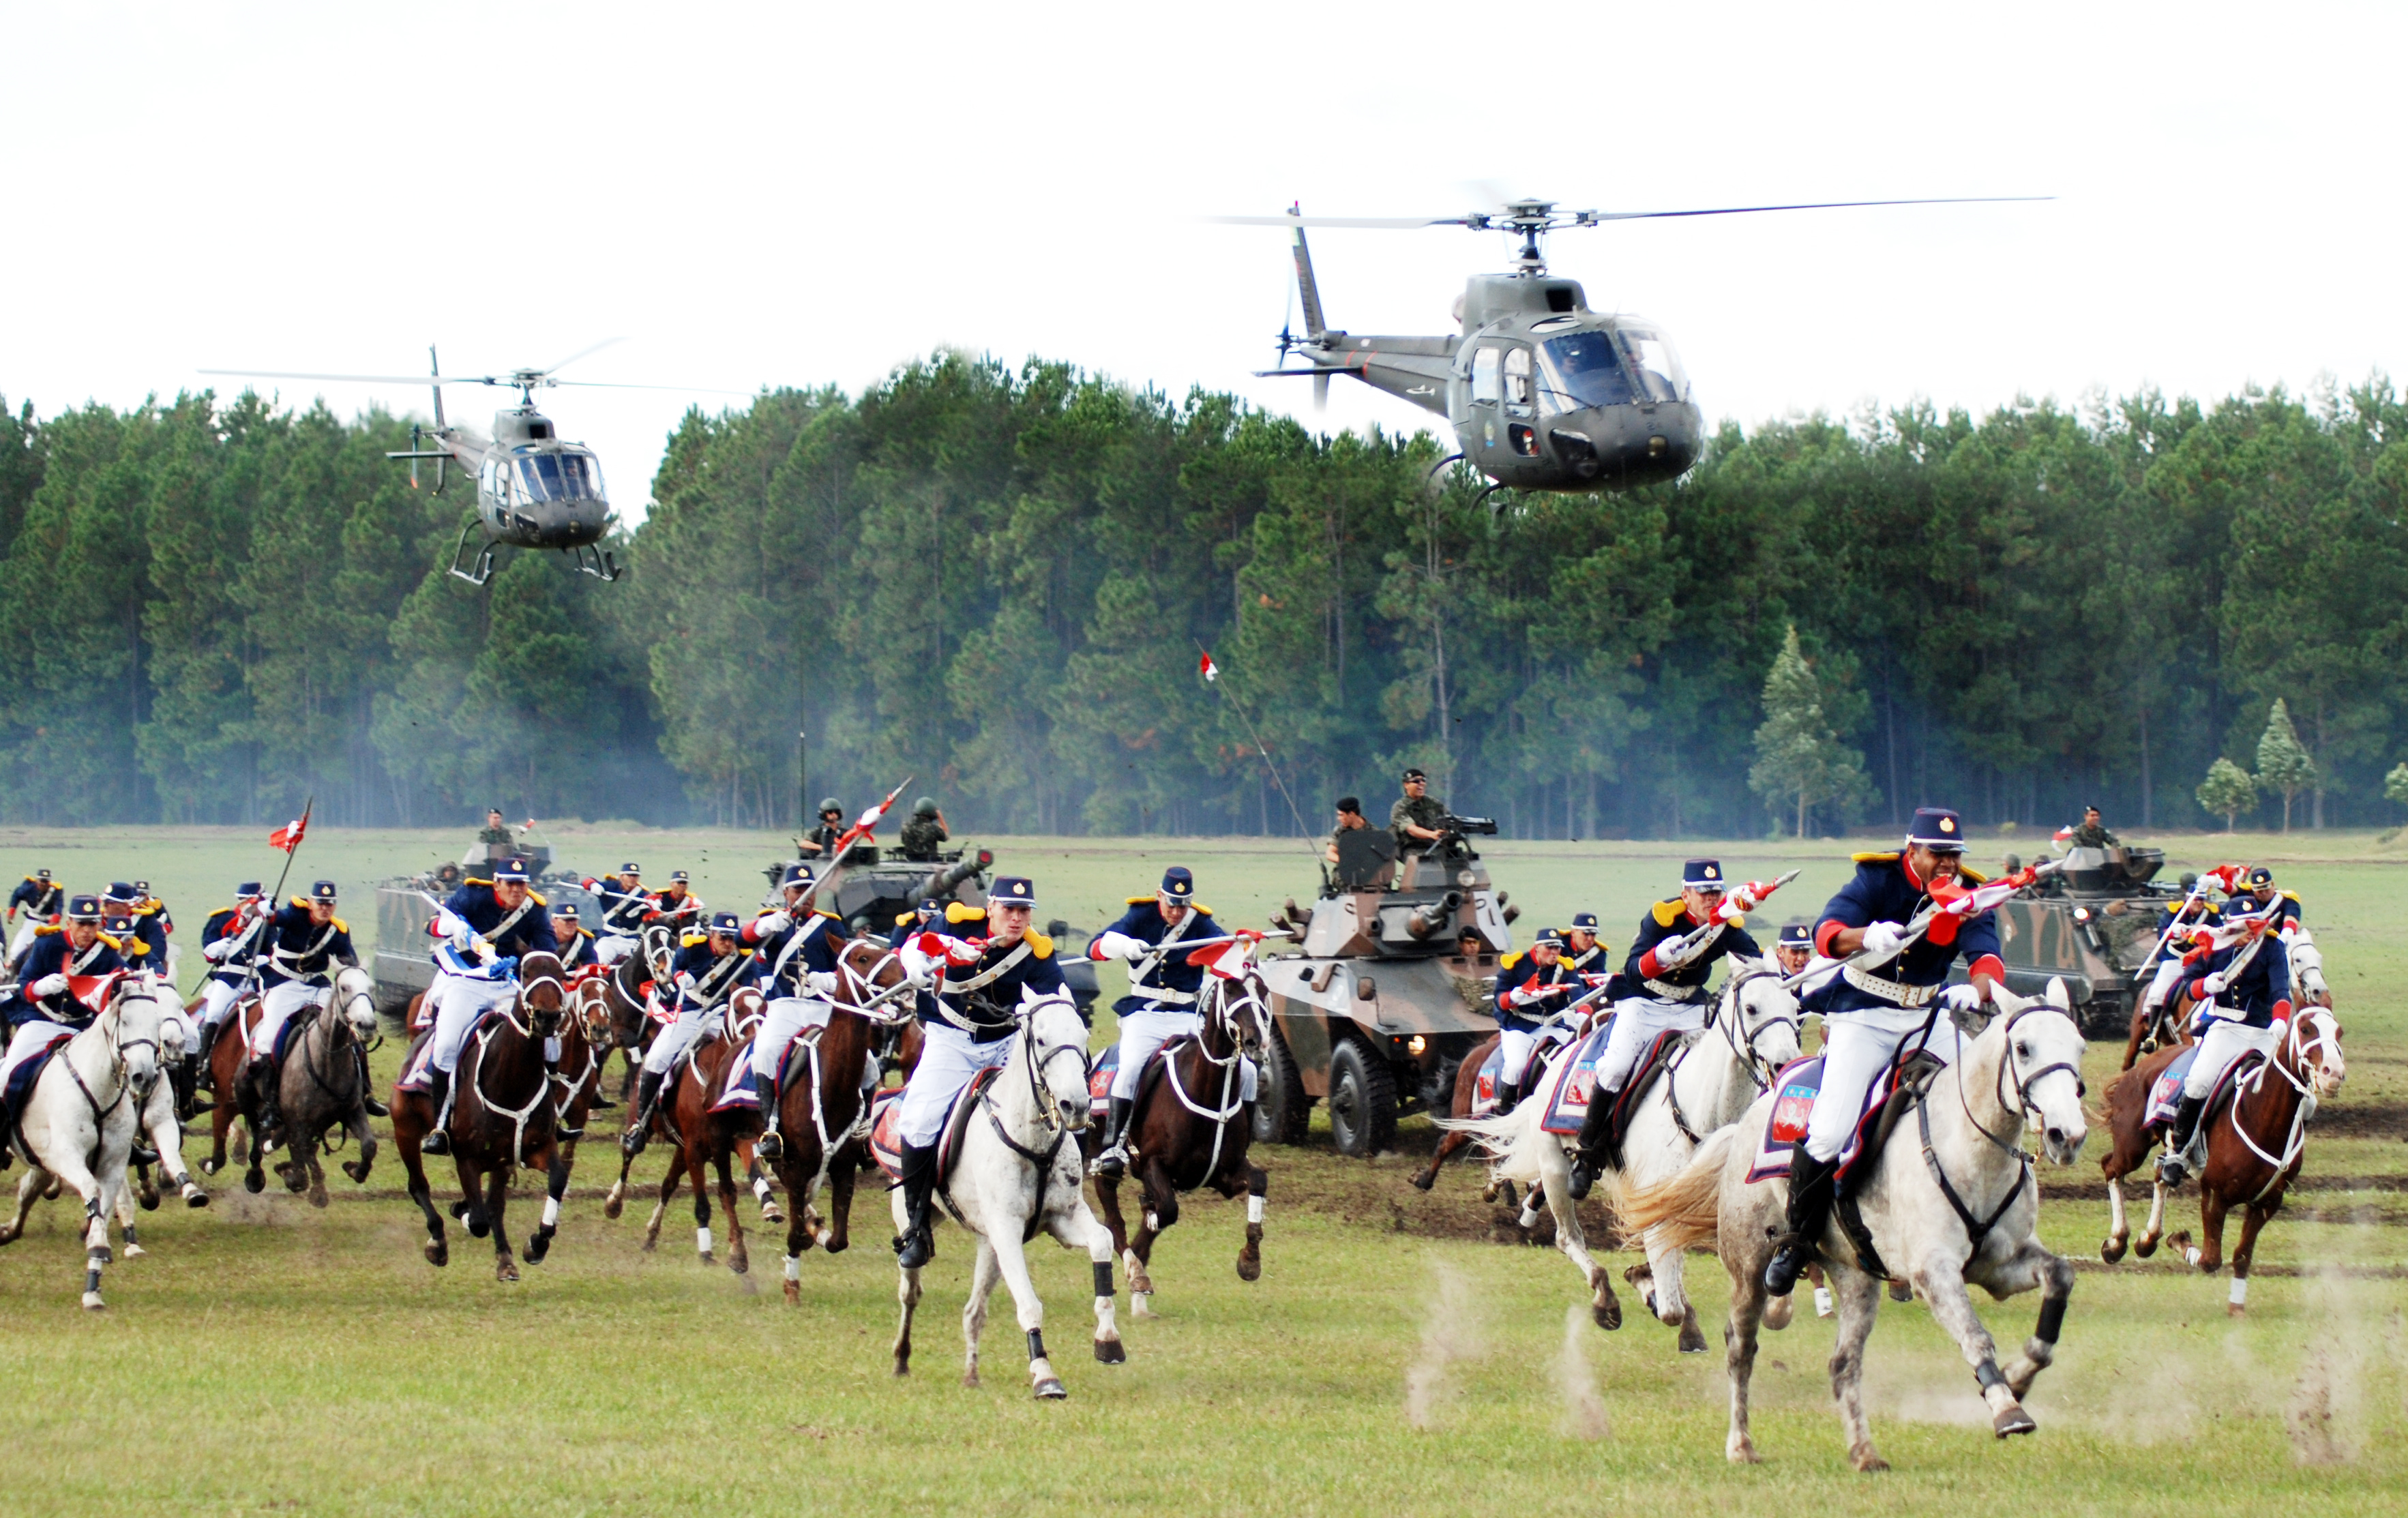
1739, 1035
862, 994
1978, 1229
1038, 1063
2295, 1051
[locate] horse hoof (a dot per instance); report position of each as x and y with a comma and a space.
295, 1182
1693, 1338
438, 1254
505, 1271
479, 1227
1424, 1180
2232, 1309
1868, 1462
704, 1256
770, 1213
1608, 1313
1142, 1304
318, 1196
538, 1245
210, 1166
1250, 1266
1743, 1454
2011, 1419
2110, 1250
2144, 1248
91, 1302
969, 1378
196, 1196
1108, 1352
834, 1246
149, 1200
253, 1183
135, 1250
1052, 1390
740, 1264
359, 1173
1900, 1292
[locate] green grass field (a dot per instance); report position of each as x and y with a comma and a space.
1395, 1357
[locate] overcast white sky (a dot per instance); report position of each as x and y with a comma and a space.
804, 195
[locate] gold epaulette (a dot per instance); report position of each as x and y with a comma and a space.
1040, 946
833, 917
340, 926
2291, 897
48, 928
1667, 912
1971, 877
473, 881
1137, 901
905, 918
1508, 961
962, 912
690, 939
1890, 858
137, 950
537, 899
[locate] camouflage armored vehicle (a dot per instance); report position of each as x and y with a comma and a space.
2094, 921
403, 964
1383, 995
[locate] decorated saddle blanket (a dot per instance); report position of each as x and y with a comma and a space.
885, 1135
1099, 1081
417, 1066
1795, 1089
21, 1076
2165, 1091
732, 1089
1572, 1080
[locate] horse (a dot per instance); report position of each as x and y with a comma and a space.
158, 1123
1750, 1034
1017, 1173
1463, 1104
705, 1139
1965, 1215
1191, 1128
585, 1044
628, 984
78, 1121
2257, 1141
321, 1088
822, 1115
502, 1114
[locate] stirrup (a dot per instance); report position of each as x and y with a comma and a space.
769, 1146
1113, 1162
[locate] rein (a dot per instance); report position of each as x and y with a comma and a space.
548, 1049
2296, 1139
1978, 1229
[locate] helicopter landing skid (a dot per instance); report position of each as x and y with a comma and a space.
480, 569
596, 561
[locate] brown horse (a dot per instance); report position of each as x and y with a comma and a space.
227, 1056
704, 1138
577, 1085
2257, 1139
1191, 1128
2156, 1028
502, 1114
822, 1113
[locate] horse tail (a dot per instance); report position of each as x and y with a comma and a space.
1687, 1206
1512, 1140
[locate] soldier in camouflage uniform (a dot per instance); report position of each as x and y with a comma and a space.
924, 832
1418, 816
2093, 833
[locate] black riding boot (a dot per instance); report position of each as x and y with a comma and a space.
2173, 1165
1809, 1210
439, 1137
1509, 1095
368, 1102
1113, 1161
1596, 1143
917, 1246
648, 1091
208, 1042
770, 1147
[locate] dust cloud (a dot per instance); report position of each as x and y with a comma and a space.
1583, 1406
1450, 1334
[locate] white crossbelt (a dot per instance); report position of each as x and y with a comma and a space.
1895, 991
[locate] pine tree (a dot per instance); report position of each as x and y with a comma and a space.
2229, 790
1800, 757
2395, 785
2283, 764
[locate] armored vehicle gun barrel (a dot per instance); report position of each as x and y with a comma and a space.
1486, 826
1434, 916
942, 882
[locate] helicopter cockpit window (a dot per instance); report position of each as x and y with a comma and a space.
1584, 370
1517, 380
1483, 376
1659, 367
559, 477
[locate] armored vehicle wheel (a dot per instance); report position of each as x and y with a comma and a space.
1282, 1109
1362, 1100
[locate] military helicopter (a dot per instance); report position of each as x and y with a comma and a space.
1542, 393
533, 489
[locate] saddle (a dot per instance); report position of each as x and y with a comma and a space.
885, 1138
20, 1091
1574, 1082
1903, 1084
1106, 1066
2164, 1094
417, 1067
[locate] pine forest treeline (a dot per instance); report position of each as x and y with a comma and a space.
1001, 580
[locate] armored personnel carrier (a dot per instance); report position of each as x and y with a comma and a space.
2094, 921
404, 963
1383, 995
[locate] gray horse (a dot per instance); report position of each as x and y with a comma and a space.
319, 1089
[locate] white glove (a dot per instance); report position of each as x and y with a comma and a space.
49, 985
771, 923
2211, 986
455, 928
822, 983
483, 948
1111, 945
215, 952
1962, 998
1883, 940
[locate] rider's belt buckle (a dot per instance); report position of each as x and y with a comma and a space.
1896, 991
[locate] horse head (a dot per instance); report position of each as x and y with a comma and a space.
873, 980
2313, 1048
543, 992
592, 993
1769, 1021
2308, 969
1237, 1000
1050, 1024
2041, 1048
133, 1010
355, 996
658, 945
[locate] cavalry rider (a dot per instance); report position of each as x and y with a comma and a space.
1662, 987
2244, 992
1163, 988
794, 949
1418, 819
42, 899
2258, 895
970, 1019
139, 922
924, 833
41, 1006
679, 904
1870, 1011
1794, 950
1584, 952
305, 940
1530, 989
2178, 926
707, 971
486, 928
625, 905
232, 940
577, 950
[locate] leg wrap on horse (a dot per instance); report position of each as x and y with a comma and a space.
1103, 1278
2052, 1319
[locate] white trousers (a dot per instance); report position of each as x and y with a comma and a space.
1517, 1047
1636, 1023
458, 999
28, 1038
1857, 1047
780, 1020
611, 950
1144, 1032
684, 1032
217, 1000
947, 1062
2218, 1047
278, 1006
24, 940
2169, 976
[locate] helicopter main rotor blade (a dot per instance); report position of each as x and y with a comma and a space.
1807, 205
357, 379
1391, 222
581, 352
546, 381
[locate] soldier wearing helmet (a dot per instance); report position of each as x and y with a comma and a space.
924, 832
821, 840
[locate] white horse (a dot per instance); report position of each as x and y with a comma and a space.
1750, 1034
1948, 1201
81, 1118
1019, 1173
158, 1123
